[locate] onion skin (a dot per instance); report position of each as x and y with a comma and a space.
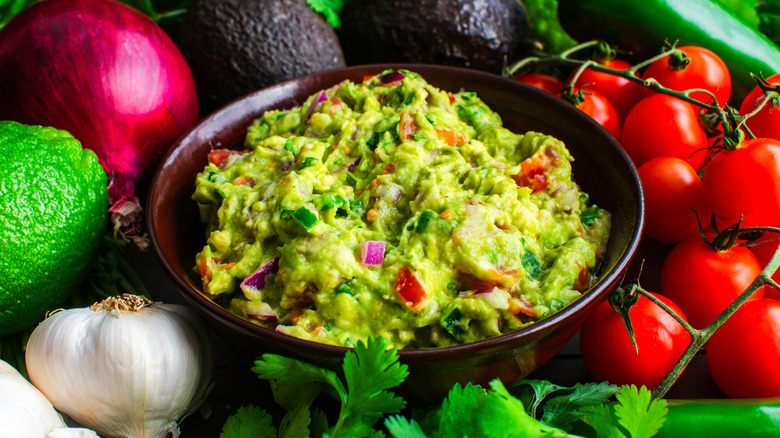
107, 74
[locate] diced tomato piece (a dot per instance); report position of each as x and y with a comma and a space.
390, 168
452, 97
409, 288
407, 126
367, 78
218, 157
533, 172
206, 269
451, 137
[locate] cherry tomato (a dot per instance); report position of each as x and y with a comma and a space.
746, 182
767, 122
703, 281
764, 252
601, 110
744, 352
609, 355
621, 92
542, 81
661, 125
674, 195
706, 71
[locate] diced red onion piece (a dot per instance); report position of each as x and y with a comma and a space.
390, 192
353, 164
372, 252
391, 77
264, 313
256, 281
283, 329
495, 297
323, 96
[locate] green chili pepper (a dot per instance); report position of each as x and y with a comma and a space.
304, 218
545, 28
717, 418
641, 27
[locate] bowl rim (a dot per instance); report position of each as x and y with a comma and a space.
476, 348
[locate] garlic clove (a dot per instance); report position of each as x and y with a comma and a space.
24, 411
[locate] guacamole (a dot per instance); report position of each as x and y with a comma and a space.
392, 208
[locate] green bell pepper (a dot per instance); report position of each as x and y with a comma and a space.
641, 27
724, 418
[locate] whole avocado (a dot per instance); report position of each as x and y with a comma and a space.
465, 33
235, 47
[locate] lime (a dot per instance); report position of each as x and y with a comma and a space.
53, 212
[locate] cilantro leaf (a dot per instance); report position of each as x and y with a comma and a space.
563, 410
638, 412
369, 372
400, 427
248, 421
330, 9
472, 411
297, 401
293, 372
541, 389
602, 419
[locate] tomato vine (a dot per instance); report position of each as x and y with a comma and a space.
734, 132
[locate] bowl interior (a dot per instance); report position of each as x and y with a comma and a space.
600, 167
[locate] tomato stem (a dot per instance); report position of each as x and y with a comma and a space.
700, 336
569, 58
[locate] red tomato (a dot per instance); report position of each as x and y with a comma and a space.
764, 252
661, 125
767, 122
744, 353
622, 93
601, 110
703, 281
548, 83
746, 182
706, 71
409, 288
609, 355
674, 195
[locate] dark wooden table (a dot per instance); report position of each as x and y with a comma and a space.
235, 385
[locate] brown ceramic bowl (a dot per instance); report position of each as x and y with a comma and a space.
601, 168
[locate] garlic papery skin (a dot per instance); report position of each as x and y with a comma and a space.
125, 367
24, 411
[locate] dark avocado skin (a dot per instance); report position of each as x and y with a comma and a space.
465, 33
235, 47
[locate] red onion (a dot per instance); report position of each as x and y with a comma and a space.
256, 281
107, 74
495, 297
391, 77
322, 97
263, 313
372, 252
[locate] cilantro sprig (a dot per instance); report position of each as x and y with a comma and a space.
534, 408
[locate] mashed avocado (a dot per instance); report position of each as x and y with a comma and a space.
392, 208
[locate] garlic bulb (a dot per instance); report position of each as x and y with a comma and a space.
125, 367
24, 411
